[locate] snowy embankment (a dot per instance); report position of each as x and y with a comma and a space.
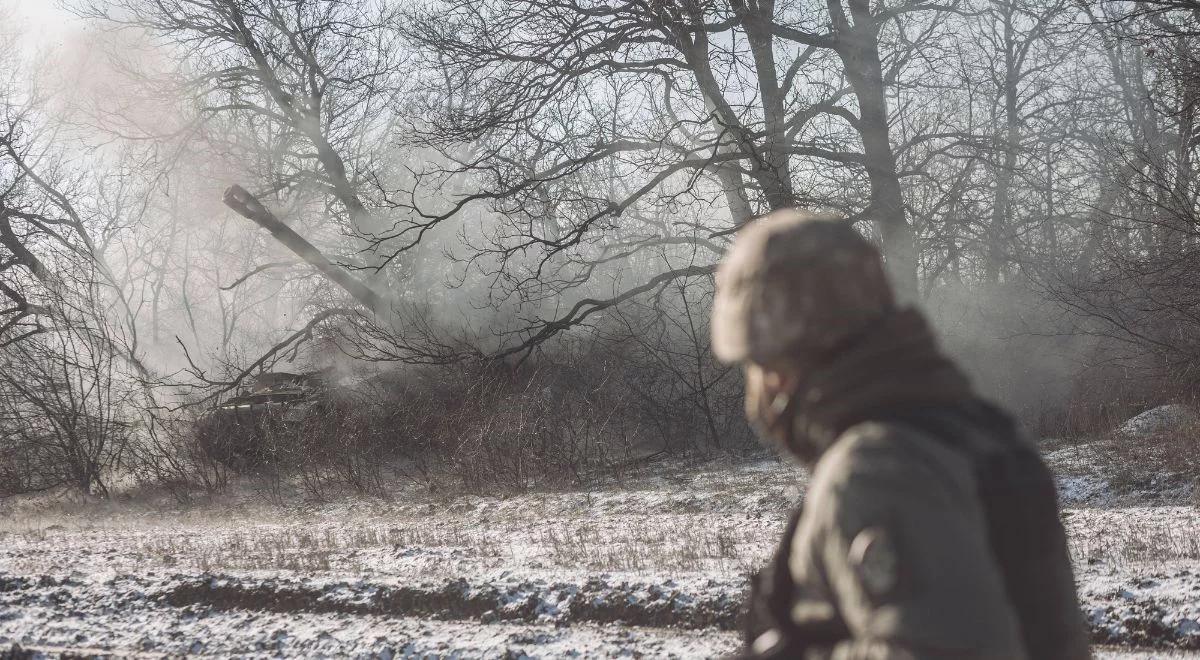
655, 566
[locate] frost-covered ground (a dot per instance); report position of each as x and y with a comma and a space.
652, 566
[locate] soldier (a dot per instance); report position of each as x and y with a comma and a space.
930, 527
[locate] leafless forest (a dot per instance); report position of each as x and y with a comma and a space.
490, 226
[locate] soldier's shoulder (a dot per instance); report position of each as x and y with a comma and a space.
886, 455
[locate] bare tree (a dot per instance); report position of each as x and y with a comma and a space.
303, 93
69, 365
598, 131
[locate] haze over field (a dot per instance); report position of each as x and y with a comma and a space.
391, 269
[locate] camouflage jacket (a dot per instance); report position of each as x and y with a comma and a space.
931, 527
913, 547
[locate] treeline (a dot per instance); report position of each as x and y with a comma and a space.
520, 179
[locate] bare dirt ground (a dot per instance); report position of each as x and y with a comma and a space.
654, 566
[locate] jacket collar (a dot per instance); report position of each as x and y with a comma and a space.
891, 370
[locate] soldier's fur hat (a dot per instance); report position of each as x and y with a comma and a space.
793, 284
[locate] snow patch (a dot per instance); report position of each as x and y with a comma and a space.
1171, 418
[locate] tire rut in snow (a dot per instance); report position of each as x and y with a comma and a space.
595, 601
1141, 624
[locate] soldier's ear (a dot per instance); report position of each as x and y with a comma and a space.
773, 381
778, 380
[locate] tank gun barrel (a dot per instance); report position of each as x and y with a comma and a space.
247, 206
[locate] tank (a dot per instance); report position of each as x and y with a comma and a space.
264, 421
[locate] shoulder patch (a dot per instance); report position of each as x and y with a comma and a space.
874, 561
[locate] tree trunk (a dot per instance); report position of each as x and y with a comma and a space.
773, 157
996, 250
858, 47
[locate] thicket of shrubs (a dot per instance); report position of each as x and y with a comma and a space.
591, 408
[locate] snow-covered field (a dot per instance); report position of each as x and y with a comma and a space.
654, 566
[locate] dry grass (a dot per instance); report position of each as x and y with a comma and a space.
1139, 535
626, 544
673, 545
680, 522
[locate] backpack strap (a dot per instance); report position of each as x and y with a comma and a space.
1020, 504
